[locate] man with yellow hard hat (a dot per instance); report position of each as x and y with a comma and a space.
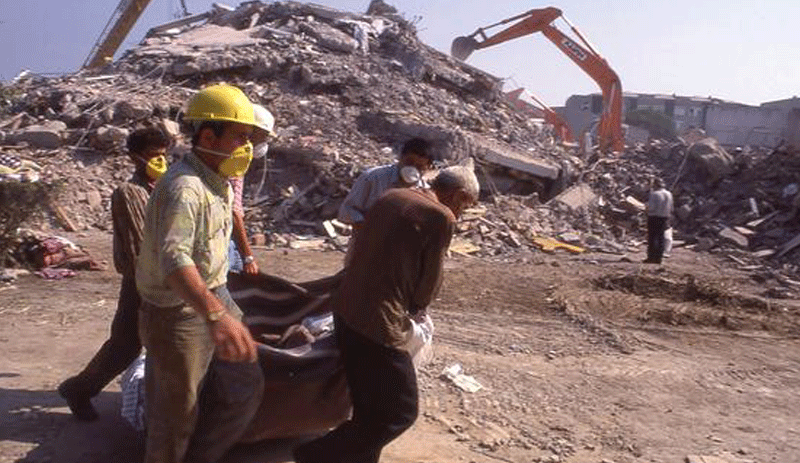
187, 317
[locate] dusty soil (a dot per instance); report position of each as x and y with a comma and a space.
582, 359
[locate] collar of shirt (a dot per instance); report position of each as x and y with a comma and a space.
216, 182
142, 180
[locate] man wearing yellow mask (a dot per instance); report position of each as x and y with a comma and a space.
187, 318
146, 148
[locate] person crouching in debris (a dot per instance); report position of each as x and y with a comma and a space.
415, 159
187, 318
147, 149
240, 256
659, 210
396, 271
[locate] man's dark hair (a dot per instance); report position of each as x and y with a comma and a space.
658, 183
418, 146
143, 139
217, 126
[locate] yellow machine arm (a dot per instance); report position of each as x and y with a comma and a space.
117, 28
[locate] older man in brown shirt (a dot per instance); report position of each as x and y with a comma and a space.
395, 273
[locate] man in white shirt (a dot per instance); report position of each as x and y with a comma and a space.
659, 210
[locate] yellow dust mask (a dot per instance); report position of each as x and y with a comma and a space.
155, 167
235, 164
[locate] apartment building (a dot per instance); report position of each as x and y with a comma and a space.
731, 123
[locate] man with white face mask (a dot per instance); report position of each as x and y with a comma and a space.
240, 256
188, 322
415, 159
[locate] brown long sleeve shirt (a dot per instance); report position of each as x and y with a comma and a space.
397, 265
128, 204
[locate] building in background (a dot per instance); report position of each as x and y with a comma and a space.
731, 123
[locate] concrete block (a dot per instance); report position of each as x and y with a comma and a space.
94, 199
330, 37
109, 136
729, 235
577, 196
132, 110
170, 127
634, 204
46, 135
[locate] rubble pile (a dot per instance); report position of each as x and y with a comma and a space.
347, 90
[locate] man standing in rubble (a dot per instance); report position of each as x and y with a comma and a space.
659, 210
187, 318
415, 159
240, 256
395, 273
147, 149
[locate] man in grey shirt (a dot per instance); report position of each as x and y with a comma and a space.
659, 210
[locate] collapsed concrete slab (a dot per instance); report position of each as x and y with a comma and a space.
496, 153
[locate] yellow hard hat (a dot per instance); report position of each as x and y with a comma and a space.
221, 102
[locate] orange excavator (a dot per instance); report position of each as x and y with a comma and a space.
562, 130
609, 132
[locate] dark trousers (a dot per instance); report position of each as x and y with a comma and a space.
656, 226
121, 348
229, 398
197, 406
383, 389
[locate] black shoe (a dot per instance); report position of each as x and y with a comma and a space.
79, 404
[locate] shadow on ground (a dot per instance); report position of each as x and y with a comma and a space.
42, 420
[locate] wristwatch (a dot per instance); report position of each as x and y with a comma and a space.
249, 260
215, 315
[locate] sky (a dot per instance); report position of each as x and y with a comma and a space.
739, 50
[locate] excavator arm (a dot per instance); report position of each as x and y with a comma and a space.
560, 126
585, 56
117, 28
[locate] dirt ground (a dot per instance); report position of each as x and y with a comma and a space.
582, 359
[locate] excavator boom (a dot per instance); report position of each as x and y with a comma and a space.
551, 117
583, 54
117, 28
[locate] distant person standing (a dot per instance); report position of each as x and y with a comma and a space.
415, 159
659, 211
147, 149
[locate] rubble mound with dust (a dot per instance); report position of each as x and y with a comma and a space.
347, 89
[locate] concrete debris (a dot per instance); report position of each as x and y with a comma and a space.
577, 196
48, 134
712, 160
347, 90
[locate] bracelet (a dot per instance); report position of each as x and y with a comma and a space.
249, 260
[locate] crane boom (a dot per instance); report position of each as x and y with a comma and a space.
117, 28
584, 55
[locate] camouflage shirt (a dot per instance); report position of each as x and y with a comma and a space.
188, 222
